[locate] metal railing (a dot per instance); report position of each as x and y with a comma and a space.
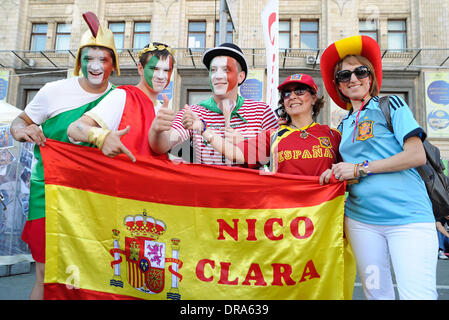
190, 58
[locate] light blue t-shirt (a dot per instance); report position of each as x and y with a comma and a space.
383, 198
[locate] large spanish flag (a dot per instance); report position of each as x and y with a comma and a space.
160, 230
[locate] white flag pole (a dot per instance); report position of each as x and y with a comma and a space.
270, 23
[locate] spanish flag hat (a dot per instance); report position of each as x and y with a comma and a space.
357, 45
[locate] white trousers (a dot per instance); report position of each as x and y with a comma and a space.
413, 251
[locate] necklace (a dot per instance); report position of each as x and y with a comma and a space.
304, 134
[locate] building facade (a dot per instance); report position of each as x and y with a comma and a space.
39, 40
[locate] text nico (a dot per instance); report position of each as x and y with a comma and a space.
300, 228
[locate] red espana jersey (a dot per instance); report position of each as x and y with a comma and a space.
292, 154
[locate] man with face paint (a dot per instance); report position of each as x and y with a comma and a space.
53, 108
120, 123
226, 113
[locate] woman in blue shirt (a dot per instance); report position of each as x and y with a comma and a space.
388, 213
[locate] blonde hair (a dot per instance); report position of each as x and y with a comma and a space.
356, 59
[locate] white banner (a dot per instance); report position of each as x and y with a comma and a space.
270, 23
4, 81
233, 12
437, 104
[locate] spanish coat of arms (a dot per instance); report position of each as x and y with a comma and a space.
146, 256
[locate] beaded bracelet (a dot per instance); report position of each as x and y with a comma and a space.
364, 173
365, 164
205, 126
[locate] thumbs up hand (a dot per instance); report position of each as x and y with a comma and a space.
190, 120
165, 102
164, 117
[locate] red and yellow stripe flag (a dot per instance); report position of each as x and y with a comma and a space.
160, 230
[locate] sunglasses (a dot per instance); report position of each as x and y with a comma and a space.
298, 92
345, 75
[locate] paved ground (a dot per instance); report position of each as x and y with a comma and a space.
442, 283
19, 287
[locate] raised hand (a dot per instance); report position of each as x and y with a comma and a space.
190, 120
164, 117
113, 146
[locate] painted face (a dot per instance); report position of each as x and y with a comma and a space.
157, 72
96, 65
301, 103
223, 75
354, 89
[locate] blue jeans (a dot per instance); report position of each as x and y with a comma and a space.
443, 241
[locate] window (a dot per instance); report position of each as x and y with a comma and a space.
197, 34
141, 34
309, 34
397, 35
29, 95
195, 96
63, 31
118, 29
284, 34
368, 28
403, 95
228, 32
38, 37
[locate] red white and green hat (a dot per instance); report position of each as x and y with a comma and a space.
357, 45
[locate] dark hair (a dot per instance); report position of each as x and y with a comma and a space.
316, 108
158, 53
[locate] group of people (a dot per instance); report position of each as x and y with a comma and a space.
387, 211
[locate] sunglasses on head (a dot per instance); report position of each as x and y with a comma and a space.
298, 92
345, 75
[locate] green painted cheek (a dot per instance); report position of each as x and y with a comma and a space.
148, 72
210, 82
84, 63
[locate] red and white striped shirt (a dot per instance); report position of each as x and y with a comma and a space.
258, 115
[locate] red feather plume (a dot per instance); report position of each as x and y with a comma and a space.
92, 21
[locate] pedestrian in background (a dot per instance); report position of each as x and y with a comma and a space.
443, 237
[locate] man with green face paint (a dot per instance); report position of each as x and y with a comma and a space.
157, 71
226, 113
48, 115
120, 123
